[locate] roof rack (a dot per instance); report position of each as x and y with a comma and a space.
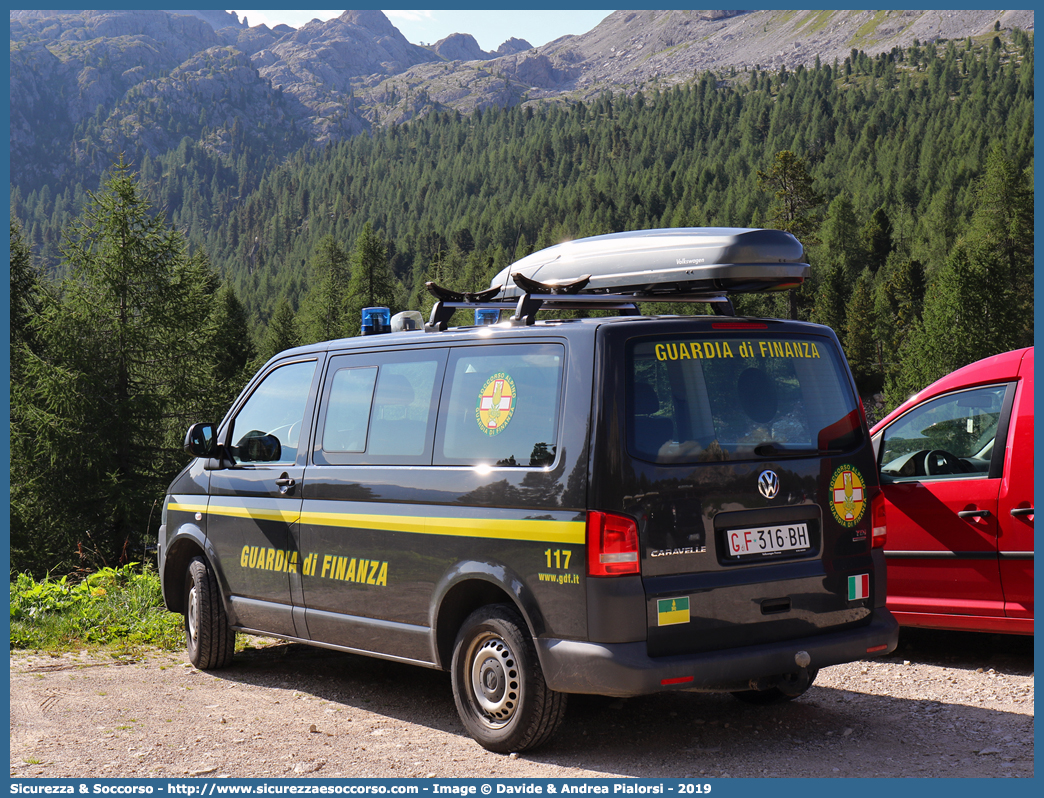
616, 271
529, 304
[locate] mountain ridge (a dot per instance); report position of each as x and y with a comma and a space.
84, 83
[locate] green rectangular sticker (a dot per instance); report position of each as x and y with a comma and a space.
673, 610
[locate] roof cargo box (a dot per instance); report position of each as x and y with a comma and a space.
683, 260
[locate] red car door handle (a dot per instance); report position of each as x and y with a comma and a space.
973, 514
1022, 511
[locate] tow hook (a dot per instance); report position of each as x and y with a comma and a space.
791, 684
794, 684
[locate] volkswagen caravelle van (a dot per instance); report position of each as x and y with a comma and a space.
614, 505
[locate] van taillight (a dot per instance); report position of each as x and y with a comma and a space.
612, 545
877, 516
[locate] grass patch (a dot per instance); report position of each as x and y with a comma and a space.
819, 20
114, 607
867, 29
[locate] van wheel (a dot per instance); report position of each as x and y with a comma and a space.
792, 686
208, 636
498, 686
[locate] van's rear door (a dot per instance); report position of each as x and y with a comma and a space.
747, 467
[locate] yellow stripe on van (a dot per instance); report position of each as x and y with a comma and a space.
238, 511
500, 528
187, 508
497, 528
503, 529
521, 529
386, 523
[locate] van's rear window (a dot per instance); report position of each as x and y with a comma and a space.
727, 397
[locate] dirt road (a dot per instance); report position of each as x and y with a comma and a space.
944, 705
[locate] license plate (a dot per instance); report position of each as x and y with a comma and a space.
768, 540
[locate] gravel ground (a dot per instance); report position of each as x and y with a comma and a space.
943, 705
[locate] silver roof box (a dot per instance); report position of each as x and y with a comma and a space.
681, 260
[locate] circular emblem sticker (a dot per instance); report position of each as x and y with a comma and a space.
847, 495
496, 404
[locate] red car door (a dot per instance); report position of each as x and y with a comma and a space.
941, 478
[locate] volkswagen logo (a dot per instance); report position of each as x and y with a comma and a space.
768, 484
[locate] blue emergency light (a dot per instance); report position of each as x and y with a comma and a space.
376, 321
484, 316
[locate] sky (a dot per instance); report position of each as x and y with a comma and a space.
490, 28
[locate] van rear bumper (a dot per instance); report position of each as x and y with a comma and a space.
625, 669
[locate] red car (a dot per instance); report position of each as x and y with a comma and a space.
956, 465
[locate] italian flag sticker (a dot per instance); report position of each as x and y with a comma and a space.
858, 587
672, 610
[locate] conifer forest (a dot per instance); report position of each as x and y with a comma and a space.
146, 291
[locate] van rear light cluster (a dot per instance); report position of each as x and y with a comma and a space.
612, 545
877, 520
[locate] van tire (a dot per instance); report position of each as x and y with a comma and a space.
498, 685
210, 639
774, 695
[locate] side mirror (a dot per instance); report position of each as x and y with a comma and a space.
259, 447
201, 440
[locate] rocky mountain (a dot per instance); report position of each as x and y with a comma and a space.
461, 47
630, 50
84, 84
65, 68
320, 64
216, 19
639, 47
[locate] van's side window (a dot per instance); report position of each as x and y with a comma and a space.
502, 406
348, 409
379, 408
267, 429
402, 407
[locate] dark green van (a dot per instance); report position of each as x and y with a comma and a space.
616, 505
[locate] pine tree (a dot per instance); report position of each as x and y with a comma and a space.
1001, 230
28, 298
839, 238
119, 376
26, 289
796, 199
898, 304
832, 297
794, 210
372, 283
230, 350
970, 312
859, 339
282, 333
876, 237
324, 307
